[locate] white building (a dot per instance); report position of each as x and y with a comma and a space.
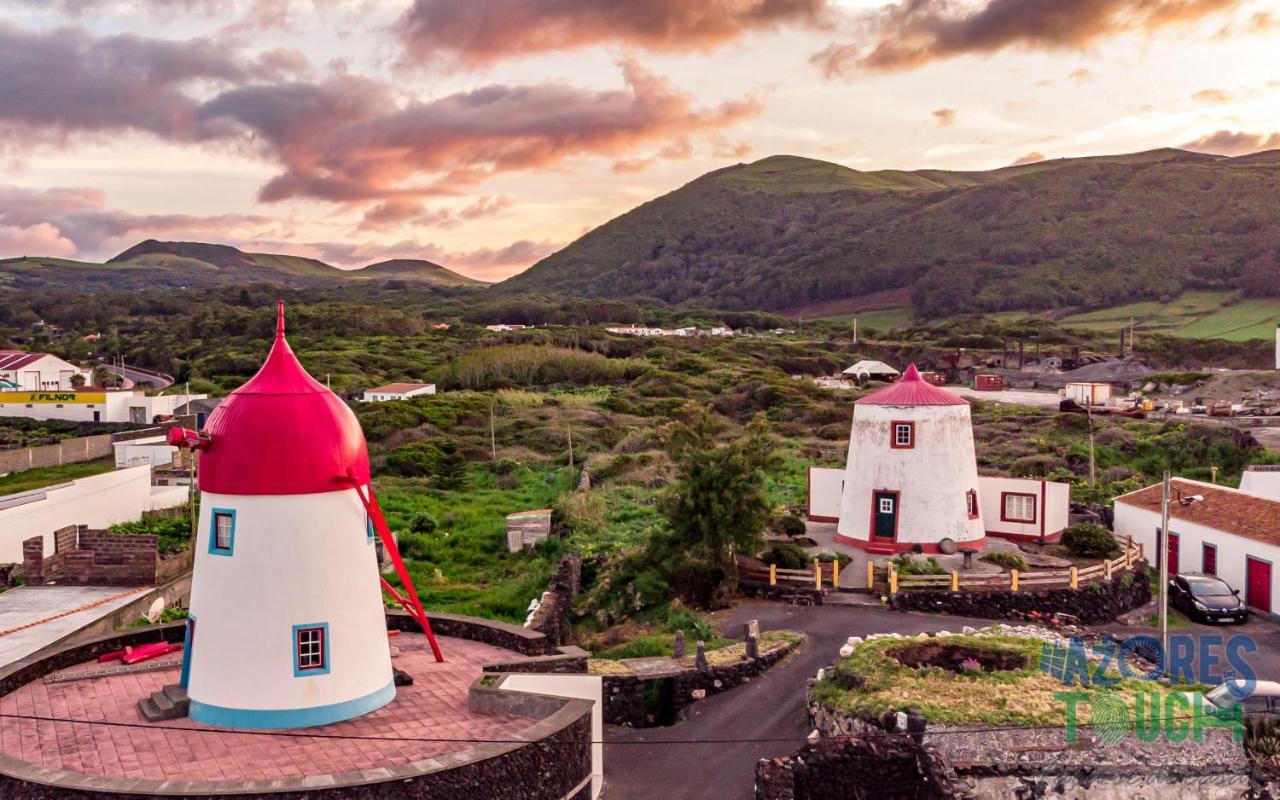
1229, 533
97, 501
154, 451
912, 476
35, 372
131, 405
397, 391
503, 328
1088, 394
287, 626
1261, 480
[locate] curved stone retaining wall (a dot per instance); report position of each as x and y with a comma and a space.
550, 760
1093, 603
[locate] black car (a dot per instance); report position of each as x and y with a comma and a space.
1206, 598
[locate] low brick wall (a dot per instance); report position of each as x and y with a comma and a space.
1093, 603
499, 634
550, 760
85, 556
893, 767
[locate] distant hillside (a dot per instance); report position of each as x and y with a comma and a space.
788, 232
153, 264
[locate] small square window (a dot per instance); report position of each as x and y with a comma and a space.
310, 649
886, 505
971, 503
222, 532
1018, 507
902, 435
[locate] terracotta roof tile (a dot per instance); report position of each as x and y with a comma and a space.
1223, 509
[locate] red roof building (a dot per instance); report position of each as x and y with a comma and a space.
912, 390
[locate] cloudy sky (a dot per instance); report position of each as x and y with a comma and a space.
484, 134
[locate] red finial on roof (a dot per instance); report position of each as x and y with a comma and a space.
279, 319
911, 390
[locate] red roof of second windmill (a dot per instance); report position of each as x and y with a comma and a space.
912, 390
282, 433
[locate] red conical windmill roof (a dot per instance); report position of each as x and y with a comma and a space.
912, 390
282, 432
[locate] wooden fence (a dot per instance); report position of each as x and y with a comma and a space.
823, 575
1014, 580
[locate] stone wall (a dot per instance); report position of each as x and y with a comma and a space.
552, 616
892, 767
624, 695
84, 448
1093, 603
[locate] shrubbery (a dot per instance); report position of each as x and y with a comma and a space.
1089, 540
1007, 560
789, 525
786, 555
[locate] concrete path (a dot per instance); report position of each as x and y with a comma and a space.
705, 756
854, 574
32, 617
1021, 397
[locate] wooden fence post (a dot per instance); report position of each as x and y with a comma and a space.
835, 574
893, 580
773, 574
955, 581
817, 574
1013, 580
1128, 551
871, 573
1075, 578
1107, 569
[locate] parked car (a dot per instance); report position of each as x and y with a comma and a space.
1206, 598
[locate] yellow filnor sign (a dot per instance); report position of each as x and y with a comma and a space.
78, 398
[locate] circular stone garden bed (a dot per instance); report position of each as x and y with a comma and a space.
957, 658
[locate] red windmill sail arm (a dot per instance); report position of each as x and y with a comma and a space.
412, 604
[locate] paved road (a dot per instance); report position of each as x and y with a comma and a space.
138, 376
678, 762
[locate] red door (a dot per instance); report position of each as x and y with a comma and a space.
1258, 588
1210, 559
1173, 553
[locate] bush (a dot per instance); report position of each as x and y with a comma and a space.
504, 466
789, 525
1007, 560
786, 555
423, 523
413, 460
415, 547
911, 565
1089, 540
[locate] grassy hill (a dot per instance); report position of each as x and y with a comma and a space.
795, 234
171, 265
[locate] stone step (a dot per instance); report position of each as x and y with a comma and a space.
169, 703
161, 701
176, 692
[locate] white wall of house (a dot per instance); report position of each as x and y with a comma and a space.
97, 501
382, 397
48, 373
1262, 482
825, 487
1144, 523
585, 687
1090, 394
1050, 501
127, 406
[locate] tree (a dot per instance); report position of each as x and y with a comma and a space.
717, 506
451, 466
77, 381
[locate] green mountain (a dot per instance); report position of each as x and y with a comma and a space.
789, 233
165, 265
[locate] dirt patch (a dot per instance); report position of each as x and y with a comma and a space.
955, 658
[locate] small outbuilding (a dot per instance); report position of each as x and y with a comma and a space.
397, 391
872, 370
1087, 393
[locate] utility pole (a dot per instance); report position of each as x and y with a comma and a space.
1093, 468
855, 330
1163, 553
569, 428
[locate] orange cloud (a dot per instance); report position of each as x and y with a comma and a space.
348, 139
1213, 96
480, 32
1233, 143
1030, 158
913, 33
944, 116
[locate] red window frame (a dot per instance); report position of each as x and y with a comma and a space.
971, 503
893, 434
1004, 506
297, 646
1209, 558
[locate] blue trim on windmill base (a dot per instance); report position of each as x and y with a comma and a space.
290, 717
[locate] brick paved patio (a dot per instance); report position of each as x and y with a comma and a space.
435, 707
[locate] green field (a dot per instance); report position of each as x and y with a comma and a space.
40, 477
1193, 315
880, 319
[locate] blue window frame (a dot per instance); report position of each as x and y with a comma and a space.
368, 529
310, 649
222, 532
